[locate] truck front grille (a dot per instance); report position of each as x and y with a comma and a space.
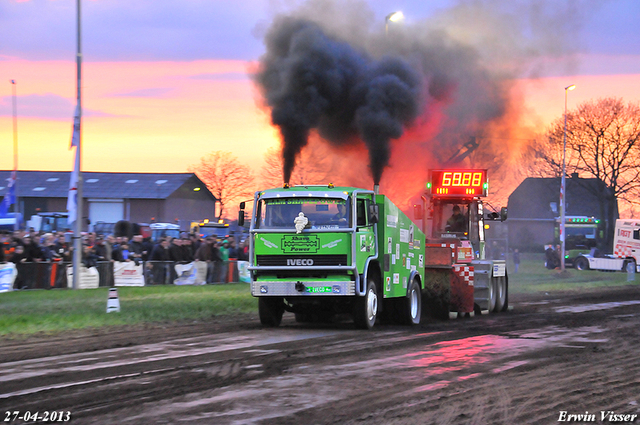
301, 260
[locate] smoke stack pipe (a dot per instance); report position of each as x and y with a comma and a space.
376, 189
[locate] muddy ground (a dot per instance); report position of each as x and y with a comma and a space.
553, 353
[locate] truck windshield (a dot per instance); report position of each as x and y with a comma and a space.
322, 213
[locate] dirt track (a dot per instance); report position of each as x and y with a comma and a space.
573, 353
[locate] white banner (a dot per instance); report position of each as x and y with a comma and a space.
89, 277
8, 275
243, 272
194, 273
126, 273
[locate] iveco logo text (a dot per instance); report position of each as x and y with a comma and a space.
299, 262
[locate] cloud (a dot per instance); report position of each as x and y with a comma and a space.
158, 92
223, 76
45, 106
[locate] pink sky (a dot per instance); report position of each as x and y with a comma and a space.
164, 85
179, 111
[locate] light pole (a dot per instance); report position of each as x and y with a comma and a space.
563, 184
392, 17
16, 207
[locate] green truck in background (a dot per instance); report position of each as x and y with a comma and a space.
318, 251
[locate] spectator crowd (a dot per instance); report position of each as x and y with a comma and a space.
22, 248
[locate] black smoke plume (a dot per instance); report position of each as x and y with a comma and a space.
311, 80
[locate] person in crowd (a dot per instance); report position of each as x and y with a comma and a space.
5, 247
187, 252
122, 253
137, 249
224, 262
100, 248
195, 243
18, 258
18, 255
109, 246
89, 257
243, 250
47, 249
158, 261
31, 249
233, 250
147, 248
175, 250
516, 260
61, 248
91, 238
211, 255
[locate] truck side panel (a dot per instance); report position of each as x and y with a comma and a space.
401, 244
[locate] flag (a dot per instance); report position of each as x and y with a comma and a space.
10, 196
72, 200
75, 137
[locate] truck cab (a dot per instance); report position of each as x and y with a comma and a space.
626, 251
453, 217
316, 251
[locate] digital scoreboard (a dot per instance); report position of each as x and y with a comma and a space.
458, 183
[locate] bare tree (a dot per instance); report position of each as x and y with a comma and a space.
603, 142
226, 178
313, 166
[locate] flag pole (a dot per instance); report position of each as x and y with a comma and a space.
77, 232
16, 207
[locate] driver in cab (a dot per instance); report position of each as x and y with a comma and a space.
341, 216
456, 223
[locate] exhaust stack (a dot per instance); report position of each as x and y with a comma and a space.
376, 189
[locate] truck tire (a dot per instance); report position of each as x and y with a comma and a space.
365, 309
411, 305
493, 292
581, 263
501, 294
270, 310
626, 263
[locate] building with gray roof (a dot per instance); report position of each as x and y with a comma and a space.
110, 197
534, 207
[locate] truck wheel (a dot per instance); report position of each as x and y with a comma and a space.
365, 309
270, 310
501, 294
581, 263
493, 292
411, 305
626, 263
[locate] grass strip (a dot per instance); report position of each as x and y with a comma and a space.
57, 310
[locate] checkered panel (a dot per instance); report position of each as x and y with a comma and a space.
622, 251
465, 272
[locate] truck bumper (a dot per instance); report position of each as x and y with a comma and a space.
302, 288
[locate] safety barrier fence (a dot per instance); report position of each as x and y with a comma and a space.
59, 274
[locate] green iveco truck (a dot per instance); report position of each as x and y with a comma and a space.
318, 251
